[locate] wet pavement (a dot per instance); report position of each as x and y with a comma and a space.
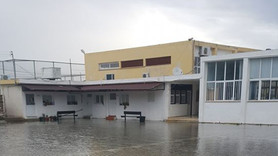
101, 137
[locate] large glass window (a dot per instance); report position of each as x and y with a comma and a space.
263, 79
224, 80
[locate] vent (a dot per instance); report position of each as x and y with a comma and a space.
4, 77
145, 75
205, 51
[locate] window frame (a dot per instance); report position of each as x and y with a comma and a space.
112, 76
99, 99
109, 65
51, 103
73, 98
30, 102
262, 79
215, 82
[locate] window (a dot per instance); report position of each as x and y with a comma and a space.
71, 100
99, 99
47, 100
158, 61
30, 99
113, 96
224, 80
132, 63
110, 77
263, 79
111, 65
180, 94
124, 100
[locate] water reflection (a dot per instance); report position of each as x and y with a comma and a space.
101, 137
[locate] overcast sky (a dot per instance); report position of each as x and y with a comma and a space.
58, 29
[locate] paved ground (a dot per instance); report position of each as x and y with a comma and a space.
100, 137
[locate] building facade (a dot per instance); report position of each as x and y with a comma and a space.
240, 88
177, 58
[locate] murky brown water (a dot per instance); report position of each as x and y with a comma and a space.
100, 137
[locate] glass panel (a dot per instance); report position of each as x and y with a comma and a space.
211, 71
239, 69
254, 68
210, 91
114, 65
30, 99
219, 91
220, 71
265, 67
229, 90
265, 90
47, 100
254, 90
274, 90
177, 96
183, 97
230, 66
237, 93
274, 67
172, 96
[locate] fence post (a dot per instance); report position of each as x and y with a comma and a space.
70, 71
3, 67
34, 65
14, 66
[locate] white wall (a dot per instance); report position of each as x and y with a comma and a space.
243, 111
223, 52
13, 100
222, 112
60, 100
262, 112
138, 101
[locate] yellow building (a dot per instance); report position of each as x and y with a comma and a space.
176, 58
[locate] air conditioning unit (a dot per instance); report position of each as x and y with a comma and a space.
51, 73
145, 75
205, 51
4, 77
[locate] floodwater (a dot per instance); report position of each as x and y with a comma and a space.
100, 137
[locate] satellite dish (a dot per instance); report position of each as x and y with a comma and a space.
177, 71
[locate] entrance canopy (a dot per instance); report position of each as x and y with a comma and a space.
123, 87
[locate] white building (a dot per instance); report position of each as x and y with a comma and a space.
240, 88
157, 98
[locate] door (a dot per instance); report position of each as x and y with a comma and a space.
112, 104
30, 106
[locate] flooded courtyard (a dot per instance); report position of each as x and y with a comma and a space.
101, 137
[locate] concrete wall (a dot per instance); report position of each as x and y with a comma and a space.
262, 112
13, 100
181, 56
138, 101
241, 111
60, 100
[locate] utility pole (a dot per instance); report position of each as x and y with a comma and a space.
14, 66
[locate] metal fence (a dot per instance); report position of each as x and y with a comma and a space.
32, 69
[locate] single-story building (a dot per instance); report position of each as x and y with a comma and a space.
158, 98
240, 88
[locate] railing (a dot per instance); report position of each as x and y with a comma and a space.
32, 69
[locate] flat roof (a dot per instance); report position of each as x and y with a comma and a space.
188, 77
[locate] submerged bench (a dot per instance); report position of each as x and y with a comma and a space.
135, 114
60, 114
